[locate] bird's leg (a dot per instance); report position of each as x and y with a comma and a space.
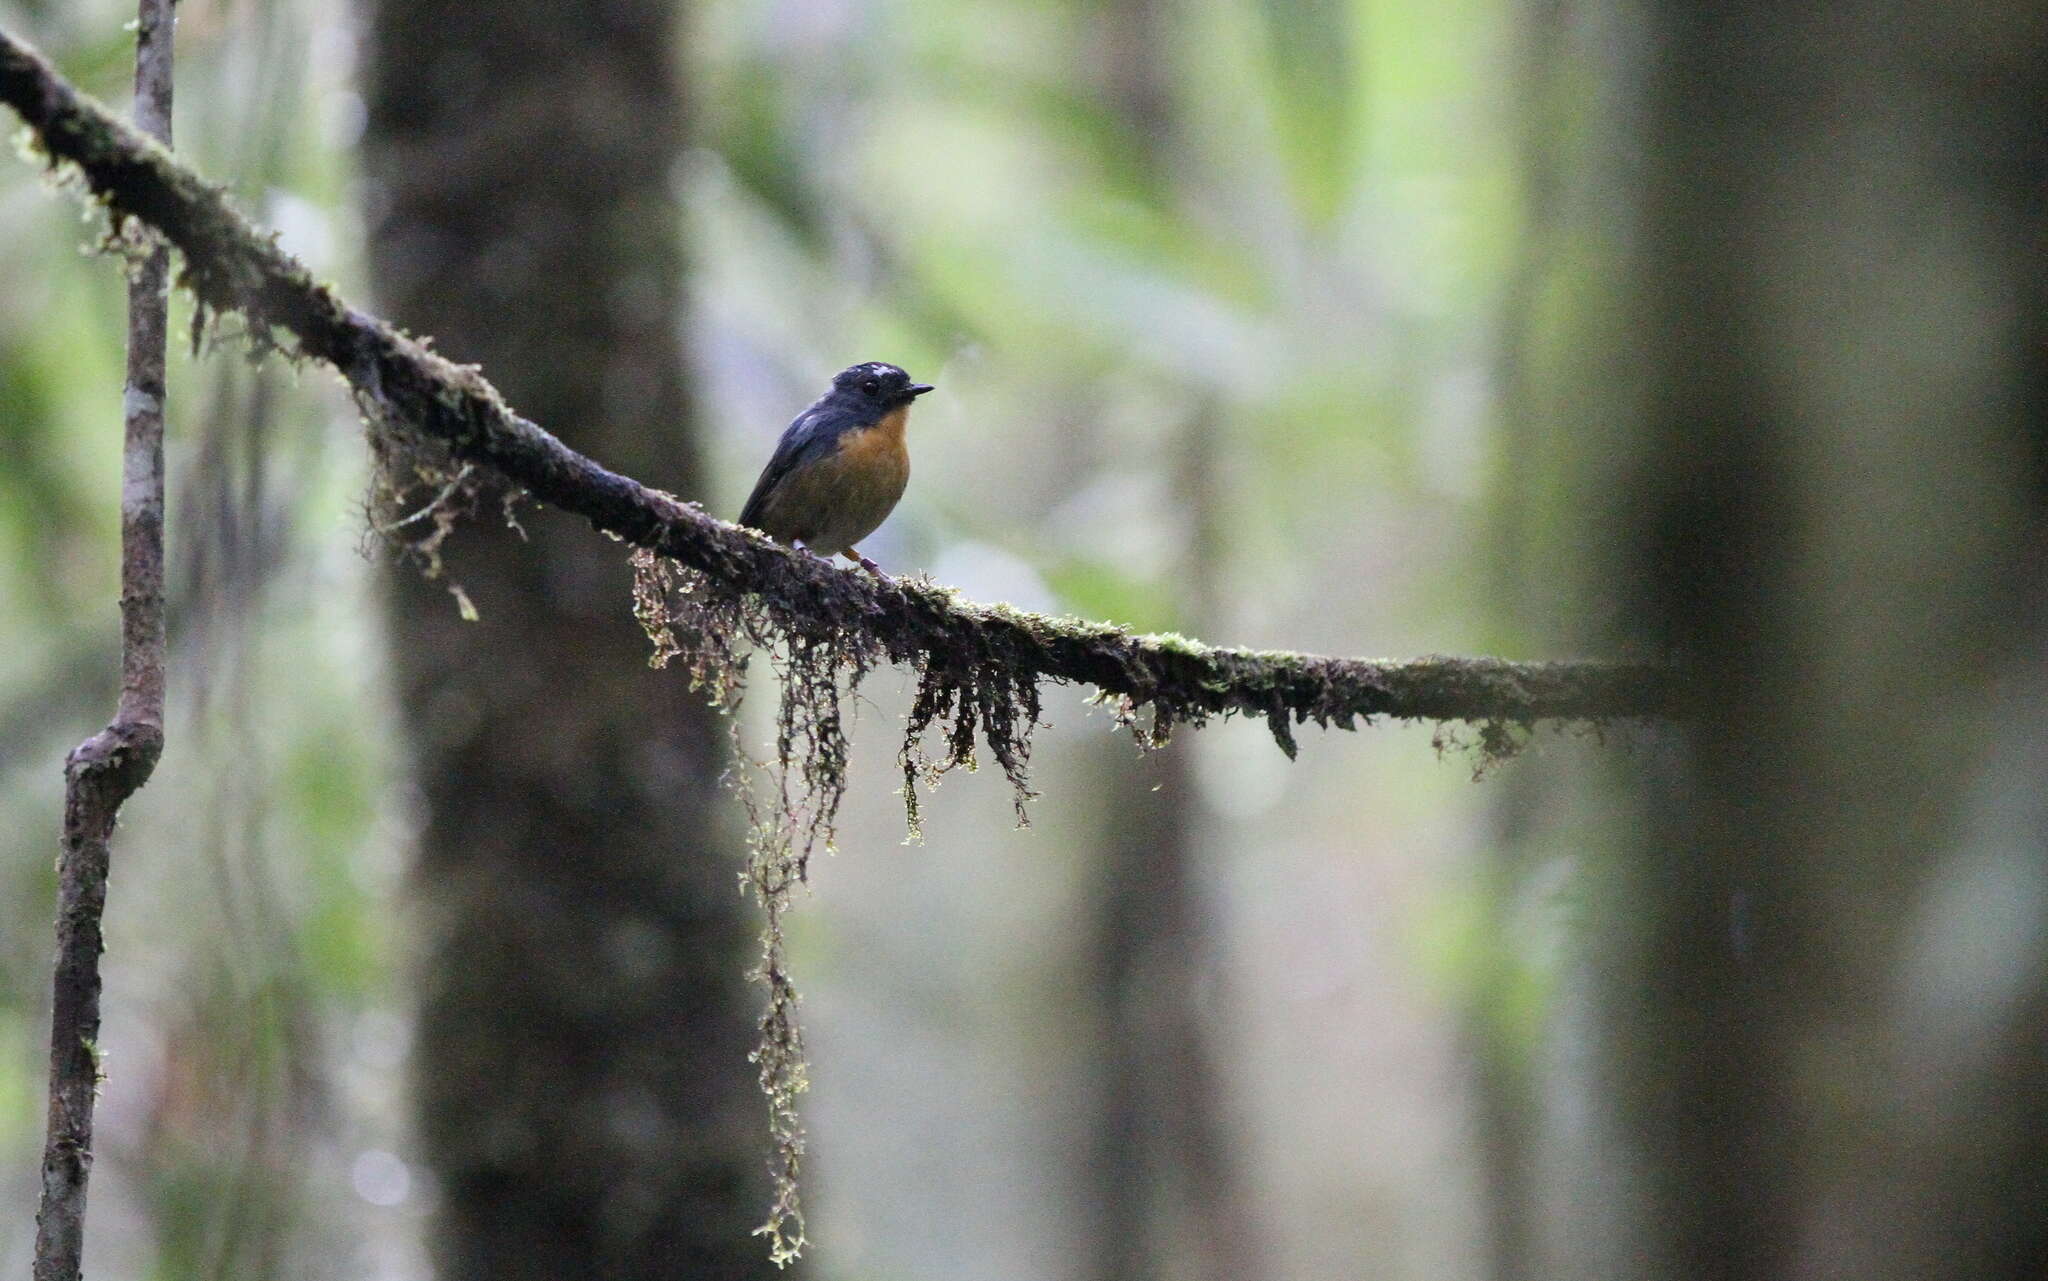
863, 562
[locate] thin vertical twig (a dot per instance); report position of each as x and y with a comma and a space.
104, 771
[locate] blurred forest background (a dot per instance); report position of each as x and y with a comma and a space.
1373, 327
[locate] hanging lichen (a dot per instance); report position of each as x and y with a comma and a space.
709, 593
792, 799
418, 492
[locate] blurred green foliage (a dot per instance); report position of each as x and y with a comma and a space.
250, 924
1091, 223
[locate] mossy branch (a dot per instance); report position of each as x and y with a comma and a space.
230, 267
706, 591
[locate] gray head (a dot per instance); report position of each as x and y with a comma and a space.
884, 386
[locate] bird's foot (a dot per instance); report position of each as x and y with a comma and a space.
864, 562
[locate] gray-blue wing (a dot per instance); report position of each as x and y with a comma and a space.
806, 440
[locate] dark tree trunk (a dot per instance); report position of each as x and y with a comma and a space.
583, 1090
1834, 509
1168, 1194
1165, 1186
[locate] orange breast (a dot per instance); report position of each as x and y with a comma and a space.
834, 503
881, 446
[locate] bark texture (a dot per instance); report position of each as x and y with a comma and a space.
583, 1089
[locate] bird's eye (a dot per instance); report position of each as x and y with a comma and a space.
871, 386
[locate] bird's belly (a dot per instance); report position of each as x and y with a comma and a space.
844, 498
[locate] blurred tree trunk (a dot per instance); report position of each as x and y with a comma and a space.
583, 1091
1168, 1196
1496, 1031
1825, 971
1166, 1192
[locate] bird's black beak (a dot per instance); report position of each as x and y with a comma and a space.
919, 389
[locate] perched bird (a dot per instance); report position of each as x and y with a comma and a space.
840, 467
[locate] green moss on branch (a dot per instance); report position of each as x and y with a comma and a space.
707, 591
956, 646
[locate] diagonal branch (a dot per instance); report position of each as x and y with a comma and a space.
104, 771
229, 266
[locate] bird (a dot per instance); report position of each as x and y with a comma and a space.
840, 466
